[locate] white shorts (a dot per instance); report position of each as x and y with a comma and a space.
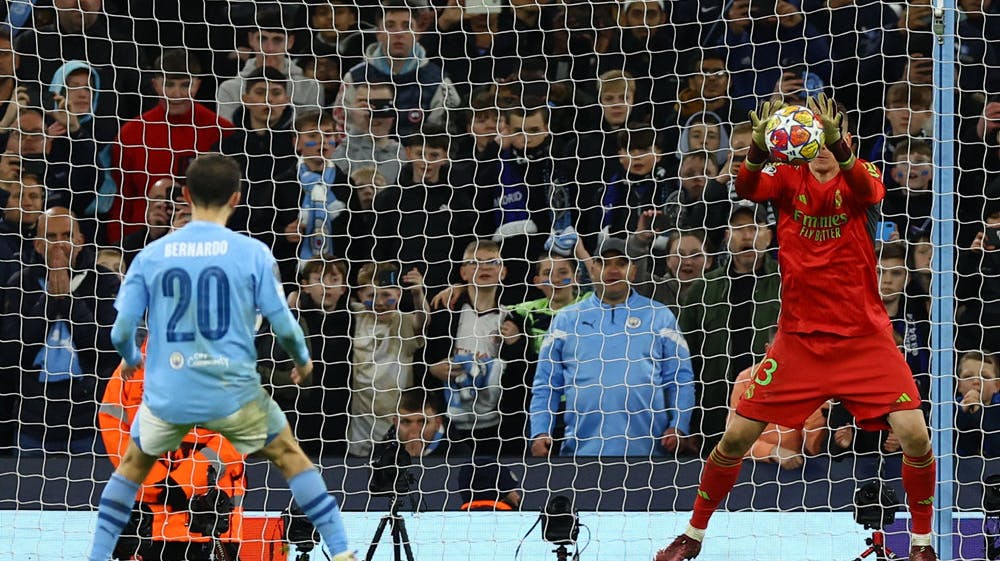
251, 428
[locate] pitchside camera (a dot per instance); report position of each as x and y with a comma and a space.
390, 467
560, 522
875, 505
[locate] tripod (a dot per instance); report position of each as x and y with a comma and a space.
876, 545
562, 554
400, 538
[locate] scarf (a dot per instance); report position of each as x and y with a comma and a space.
318, 210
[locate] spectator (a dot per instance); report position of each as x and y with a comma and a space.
908, 45
162, 142
705, 132
265, 150
988, 131
856, 30
486, 485
641, 184
423, 92
688, 257
159, 213
623, 367
701, 201
597, 150
726, 316
111, 259
739, 146
322, 305
464, 353
62, 310
81, 28
385, 343
419, 423
427, 217
781, 445
368, 141
978, 291
74, 158
908, 202
306, 200
478, 47
531, 197
907, 116
354, 230
646, 47
25, 201
706, 90
977, 39
765, 41
977, 418
338, 33
270, 43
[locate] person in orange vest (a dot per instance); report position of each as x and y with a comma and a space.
487, 485
782, 445
186, 491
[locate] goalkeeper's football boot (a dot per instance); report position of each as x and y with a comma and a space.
685, 547
922, 553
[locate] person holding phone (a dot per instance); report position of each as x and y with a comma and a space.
978, 287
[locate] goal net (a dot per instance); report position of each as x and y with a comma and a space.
511, 235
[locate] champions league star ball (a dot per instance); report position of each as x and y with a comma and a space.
794, 135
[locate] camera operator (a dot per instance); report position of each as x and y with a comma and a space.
193, 493
486, 485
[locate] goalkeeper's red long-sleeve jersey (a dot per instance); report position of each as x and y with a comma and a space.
829, 282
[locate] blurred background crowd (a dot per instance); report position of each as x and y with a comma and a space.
437, 179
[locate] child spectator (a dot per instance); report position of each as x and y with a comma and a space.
700, 202
907, 115
354, 230
909, 194
265, 149
321, 304
977, 418
162, 142
385, 342
597, 148
978, 288
642, 183
338, 33
427, 219
270, 43
705, 132
689, 256
111, 259
464, 353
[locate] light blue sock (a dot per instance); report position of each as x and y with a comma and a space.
310, 493
112, 514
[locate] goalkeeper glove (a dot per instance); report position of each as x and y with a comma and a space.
759, 124
824, 108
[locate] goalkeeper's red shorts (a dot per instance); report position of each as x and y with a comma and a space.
800, 372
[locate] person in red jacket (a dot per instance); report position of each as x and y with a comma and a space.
162, 141
206, 464
834, 337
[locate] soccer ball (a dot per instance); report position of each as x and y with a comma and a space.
794, 135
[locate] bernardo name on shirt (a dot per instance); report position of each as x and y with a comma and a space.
195, 249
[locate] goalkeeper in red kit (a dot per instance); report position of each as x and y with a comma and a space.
834, 337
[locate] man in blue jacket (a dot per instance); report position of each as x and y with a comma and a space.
623, 367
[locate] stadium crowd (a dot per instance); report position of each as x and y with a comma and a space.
440, 180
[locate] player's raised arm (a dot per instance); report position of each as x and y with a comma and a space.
750, 183
864, 181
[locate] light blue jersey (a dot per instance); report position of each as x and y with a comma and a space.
203, 286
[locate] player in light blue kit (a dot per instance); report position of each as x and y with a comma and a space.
203, 286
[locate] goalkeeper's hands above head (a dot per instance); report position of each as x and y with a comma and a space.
826, 109
759, 122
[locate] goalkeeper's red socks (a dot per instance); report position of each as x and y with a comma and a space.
717, 480
919, 475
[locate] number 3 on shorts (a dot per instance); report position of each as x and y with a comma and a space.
765, 373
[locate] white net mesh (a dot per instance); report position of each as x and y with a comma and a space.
436, 181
